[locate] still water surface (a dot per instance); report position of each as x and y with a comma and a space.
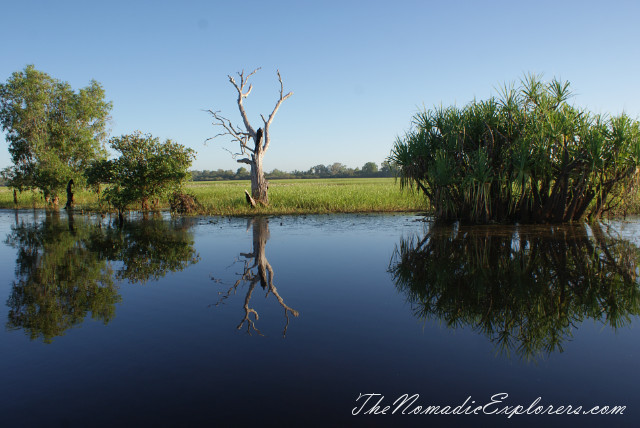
287, 320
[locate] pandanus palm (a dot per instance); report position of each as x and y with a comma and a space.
527, 156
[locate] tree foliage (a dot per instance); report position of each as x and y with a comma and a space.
528, 156
369, 169
146, 170
53, 131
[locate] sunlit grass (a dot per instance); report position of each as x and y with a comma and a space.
347, 195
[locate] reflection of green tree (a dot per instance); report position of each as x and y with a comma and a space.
59, 280
524, 288
64, 269
149, 249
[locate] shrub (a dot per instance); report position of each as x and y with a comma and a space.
145, 171
528, 156
183, 203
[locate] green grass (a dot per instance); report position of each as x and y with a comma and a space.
348, 195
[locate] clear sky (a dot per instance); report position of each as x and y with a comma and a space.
358, 69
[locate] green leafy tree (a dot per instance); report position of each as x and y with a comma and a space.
385, 169
337, 168
319, 170
369, 169
53, 131
145, 171
243, 173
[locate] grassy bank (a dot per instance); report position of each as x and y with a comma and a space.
319, 196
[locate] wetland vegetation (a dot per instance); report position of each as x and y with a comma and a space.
527, 156
317, 196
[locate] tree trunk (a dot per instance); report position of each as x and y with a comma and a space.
69, 204
71, 223
259, 184
250, 200
260, 237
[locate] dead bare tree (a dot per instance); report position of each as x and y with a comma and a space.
252, 156
262, 275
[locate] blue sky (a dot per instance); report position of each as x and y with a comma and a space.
358, 69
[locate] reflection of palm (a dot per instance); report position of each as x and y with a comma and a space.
525, 288
263, 275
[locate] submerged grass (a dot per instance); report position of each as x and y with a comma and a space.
317, 196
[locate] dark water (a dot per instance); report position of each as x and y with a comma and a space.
287, 321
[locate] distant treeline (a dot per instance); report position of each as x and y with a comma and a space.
335, 170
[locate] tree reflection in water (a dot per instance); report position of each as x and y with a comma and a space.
64, 270
149, 248
257, 269
525, 288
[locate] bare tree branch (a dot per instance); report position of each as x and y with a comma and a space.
258, 272
249, 199
248, 311
241, 95
274, 291
234, 132
267, 123
233, 155
253, 155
